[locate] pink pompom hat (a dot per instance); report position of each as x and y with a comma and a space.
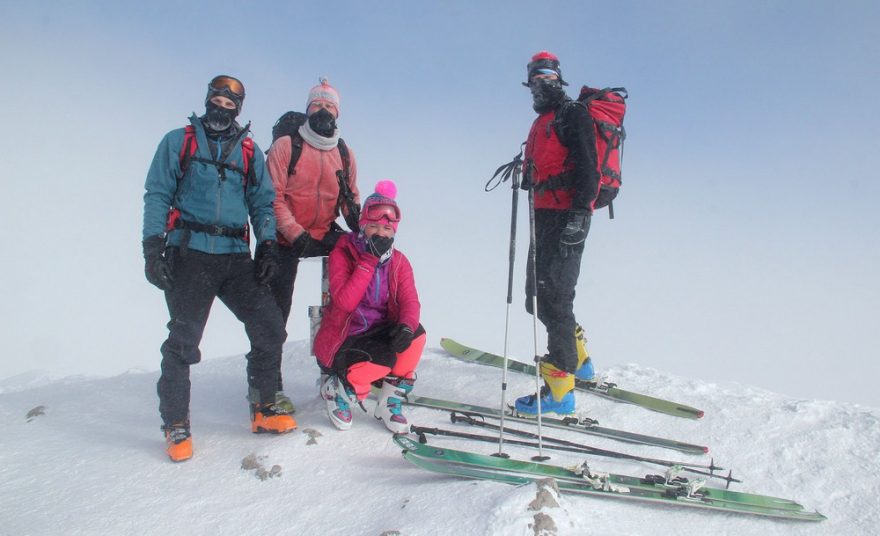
380, 206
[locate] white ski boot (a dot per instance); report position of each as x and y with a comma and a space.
338, 400
390, 404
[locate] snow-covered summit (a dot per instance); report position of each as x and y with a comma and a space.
90, 459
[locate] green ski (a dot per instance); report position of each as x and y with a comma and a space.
605, 390
653, 488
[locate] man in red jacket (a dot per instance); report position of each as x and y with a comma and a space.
560, 165
370, 330
306, 200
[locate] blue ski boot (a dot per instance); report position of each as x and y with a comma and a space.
586, 372
527, 406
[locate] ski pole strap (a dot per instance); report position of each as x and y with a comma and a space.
505, 172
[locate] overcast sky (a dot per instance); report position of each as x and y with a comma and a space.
745, 243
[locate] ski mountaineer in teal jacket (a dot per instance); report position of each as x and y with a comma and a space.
206, 197
204, 184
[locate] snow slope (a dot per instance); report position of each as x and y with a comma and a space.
94, 463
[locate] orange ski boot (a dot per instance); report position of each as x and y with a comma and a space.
273, 418
178, 442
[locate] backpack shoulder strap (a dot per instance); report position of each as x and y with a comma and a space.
346, 195
346, 157
560, 122
296, 149
188, 149
247, 157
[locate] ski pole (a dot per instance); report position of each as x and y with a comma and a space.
421, 431
510, 170
513, 210
460, 418
534, 284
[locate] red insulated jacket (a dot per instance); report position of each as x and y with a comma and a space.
549, 158
351, 271
561, 156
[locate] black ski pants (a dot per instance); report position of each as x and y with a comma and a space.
288, 264
557, 274
198, 279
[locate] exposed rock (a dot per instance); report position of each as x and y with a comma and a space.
36, 412
544, 525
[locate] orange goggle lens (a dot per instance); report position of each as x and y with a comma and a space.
225, 83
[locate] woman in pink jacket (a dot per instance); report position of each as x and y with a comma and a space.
370, 330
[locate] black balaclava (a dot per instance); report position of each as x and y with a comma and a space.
323, 123
220, 121
217, 119
547, 94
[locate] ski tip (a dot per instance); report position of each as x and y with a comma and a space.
705, 450
693, 412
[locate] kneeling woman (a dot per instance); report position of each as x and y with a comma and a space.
370, 330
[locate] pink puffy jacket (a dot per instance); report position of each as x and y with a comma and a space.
306, 200
350, 275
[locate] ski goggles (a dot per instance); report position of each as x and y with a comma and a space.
546, 72
377, 212
227, 86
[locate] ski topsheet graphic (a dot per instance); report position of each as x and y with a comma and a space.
605, 390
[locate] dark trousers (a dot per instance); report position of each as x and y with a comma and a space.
198, 279
373, 346
557, 278
288, 264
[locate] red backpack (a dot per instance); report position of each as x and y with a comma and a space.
607, 108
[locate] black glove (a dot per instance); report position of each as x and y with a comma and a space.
266, 258
379, 245
156, 266
302, 243
575, 231
401, 337
528, 170
332, 236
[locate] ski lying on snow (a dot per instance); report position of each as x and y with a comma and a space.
603, 389
668, 489
584, 425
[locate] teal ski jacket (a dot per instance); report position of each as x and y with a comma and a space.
205, 197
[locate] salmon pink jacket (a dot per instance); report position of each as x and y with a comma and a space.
351, 272
306, 200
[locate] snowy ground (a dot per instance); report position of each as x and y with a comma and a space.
94, 462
